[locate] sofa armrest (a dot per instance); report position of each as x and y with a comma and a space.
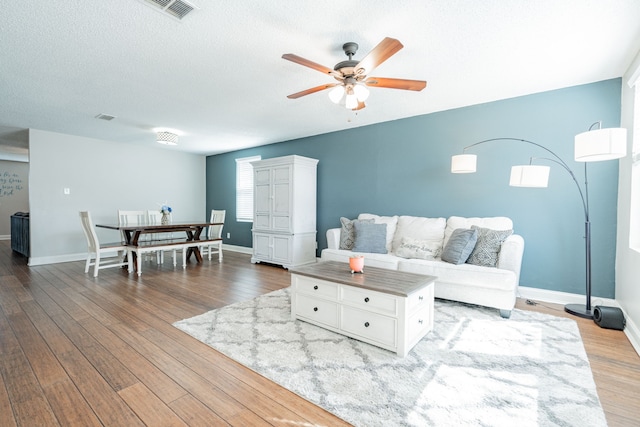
333, 238
511, 252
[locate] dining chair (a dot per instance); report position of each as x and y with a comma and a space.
126, 217
215, 233
96, 250
154, 217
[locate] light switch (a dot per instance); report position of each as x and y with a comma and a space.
67, 191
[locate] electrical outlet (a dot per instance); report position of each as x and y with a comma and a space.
228, 235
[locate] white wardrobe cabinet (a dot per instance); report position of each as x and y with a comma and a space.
284, 218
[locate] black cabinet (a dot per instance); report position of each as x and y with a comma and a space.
20, 233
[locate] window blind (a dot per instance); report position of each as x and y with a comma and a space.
244, 188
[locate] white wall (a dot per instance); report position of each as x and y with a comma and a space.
627, 260
103, 177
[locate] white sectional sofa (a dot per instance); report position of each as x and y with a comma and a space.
490, 286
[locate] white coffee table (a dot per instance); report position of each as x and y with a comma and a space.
386, 308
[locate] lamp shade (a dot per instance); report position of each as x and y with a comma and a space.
601, 144
463, 163
167, 138
534, 176
336, 94
361, 92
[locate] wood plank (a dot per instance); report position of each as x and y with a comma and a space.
151, 410
69, 405
195, 413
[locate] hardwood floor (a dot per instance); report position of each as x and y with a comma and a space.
79, 351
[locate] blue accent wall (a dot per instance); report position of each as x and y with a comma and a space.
402, 167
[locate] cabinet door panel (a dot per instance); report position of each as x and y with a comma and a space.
281, 248
261, 246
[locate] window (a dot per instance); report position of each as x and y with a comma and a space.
244, 189
634, 226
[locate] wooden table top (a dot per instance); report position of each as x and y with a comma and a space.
391, 282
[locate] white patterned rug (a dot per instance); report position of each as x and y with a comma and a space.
473, 369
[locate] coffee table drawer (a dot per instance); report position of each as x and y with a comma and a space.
370, 300
372, 326
420, 299
316, 287
317, 310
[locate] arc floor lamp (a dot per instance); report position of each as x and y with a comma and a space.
590, 146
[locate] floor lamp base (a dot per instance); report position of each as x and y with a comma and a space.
579, 310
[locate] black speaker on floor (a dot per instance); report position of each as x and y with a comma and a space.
609, 317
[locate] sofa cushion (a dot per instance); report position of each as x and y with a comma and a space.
347, 233
487, 248
421, 249
494, 223
370, 237
460, 246
391, 222
388, 261
419, 228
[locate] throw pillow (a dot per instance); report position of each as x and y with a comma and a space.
347, 233
421, 249
459, 246
370, 237
488, 246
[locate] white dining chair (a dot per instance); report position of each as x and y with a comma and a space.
126, 217
215, 233
96, 250
154, 217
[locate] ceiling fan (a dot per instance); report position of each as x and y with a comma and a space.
353, 76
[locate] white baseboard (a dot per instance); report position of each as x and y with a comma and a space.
234, 248
5, 237
33, 261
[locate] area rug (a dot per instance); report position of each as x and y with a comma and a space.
473, 369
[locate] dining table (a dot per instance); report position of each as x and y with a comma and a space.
133, 233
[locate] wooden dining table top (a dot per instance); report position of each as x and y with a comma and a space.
174, 226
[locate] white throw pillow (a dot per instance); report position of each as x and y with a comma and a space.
420, 249
419, 228
391, 222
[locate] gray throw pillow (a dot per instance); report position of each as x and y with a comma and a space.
370, 237
347, 233
488, 246
459, 246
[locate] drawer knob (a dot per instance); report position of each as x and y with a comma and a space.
366, 299
315, 308
315, 287
366, 324
420, 297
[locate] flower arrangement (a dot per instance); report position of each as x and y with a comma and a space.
166, 209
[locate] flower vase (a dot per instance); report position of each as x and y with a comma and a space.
166, 218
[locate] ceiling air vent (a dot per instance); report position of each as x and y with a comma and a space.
106, 117
176, 8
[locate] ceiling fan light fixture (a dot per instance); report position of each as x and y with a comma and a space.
361, 92
351, 102
167, 138
336, 94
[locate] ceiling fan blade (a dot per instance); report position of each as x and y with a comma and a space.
312, 90
383, 51
405, 84
300, 60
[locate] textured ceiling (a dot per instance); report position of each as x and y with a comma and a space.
218, 77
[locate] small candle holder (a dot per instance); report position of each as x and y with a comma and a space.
356, 264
